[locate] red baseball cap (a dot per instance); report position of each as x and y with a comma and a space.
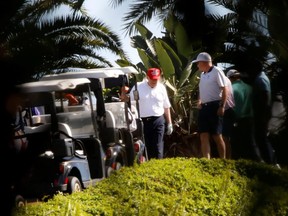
154, 73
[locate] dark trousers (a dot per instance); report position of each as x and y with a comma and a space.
228, 122
243, 143
154, 128
208, 119
266, 149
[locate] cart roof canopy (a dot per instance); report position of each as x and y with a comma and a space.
51, 85
113, 72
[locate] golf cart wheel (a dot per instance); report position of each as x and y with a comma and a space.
129, 147
118, 165
19, 201
74, 185
109, 171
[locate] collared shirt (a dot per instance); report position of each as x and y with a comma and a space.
262, 84
152, 101
243, 99
230, 102
210, 85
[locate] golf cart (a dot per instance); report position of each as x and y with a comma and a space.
64, 152
114, 117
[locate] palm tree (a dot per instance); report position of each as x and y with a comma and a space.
257, 34
238, 35
57, 43
257, 26
64, 42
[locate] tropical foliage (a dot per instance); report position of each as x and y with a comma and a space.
248, 35
257, 34
46, 36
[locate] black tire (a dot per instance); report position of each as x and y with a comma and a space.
129, 147
19, 201
74, 185
109, 171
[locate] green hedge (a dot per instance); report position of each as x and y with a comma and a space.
178, 186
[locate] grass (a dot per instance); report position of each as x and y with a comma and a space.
178, 186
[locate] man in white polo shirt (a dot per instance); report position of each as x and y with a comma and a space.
211, 104
154, 111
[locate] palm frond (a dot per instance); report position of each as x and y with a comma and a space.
142, 12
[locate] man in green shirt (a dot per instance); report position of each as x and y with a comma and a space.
242, 140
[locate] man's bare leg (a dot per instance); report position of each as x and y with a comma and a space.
227, 147
205, 145
220, 145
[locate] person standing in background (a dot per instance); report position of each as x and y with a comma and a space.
243, 141
228, 119
211, 104
11, 100
9, 109
262, 114
154, 110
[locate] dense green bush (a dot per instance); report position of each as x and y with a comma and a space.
178, 186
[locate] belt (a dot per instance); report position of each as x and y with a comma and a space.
149, 118
211, 103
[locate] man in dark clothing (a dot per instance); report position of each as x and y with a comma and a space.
262, 114
243, 141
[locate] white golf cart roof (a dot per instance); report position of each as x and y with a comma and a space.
112, 72
51, 85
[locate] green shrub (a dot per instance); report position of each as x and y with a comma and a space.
178, 186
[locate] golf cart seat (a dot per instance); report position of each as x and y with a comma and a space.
110, 120
109, 134
46, 128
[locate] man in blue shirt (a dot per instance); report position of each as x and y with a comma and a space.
262, 114
243, 141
